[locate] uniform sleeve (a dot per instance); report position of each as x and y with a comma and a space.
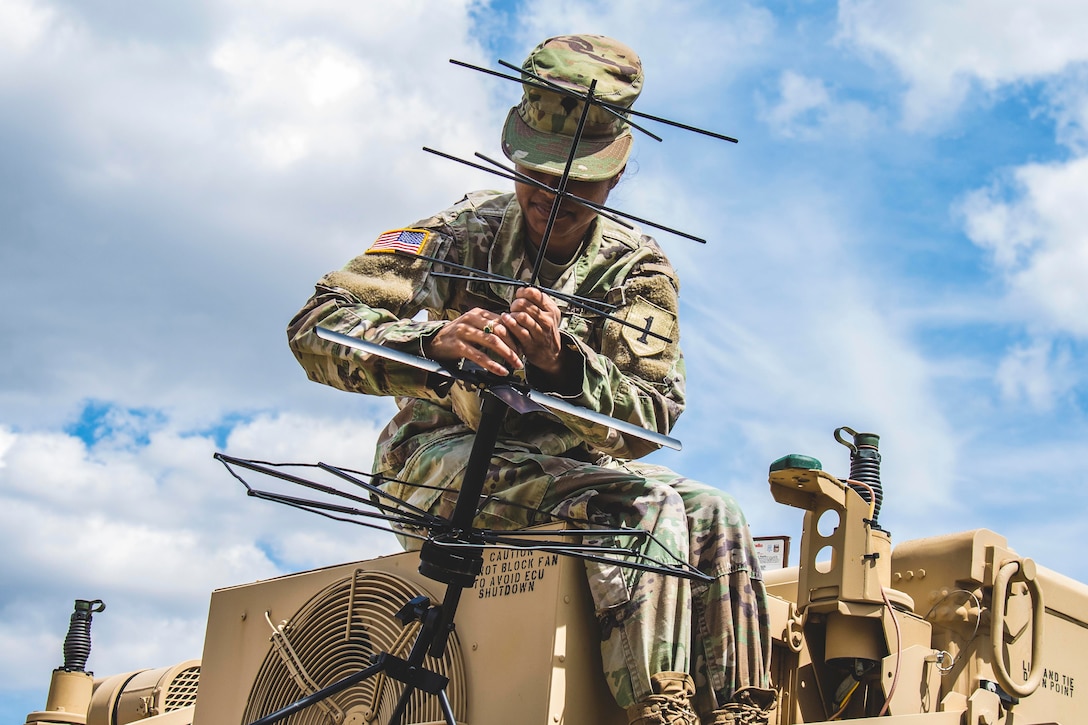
632, 372
374, 298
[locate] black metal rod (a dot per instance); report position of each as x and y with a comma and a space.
606, 211
320, 695
283, 476
492, 414
641, 563
602, 313
326, 509
518, 176
605, 104
400, 503
561, 189
430, 629
229, 461
619, 112
447, 709
574, 301
514, 175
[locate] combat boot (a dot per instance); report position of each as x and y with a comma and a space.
750, 706
670, 703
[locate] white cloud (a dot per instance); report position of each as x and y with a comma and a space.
1036, 374
1068, 100
23, 23
1031, 220
806, 108
287, 94
292, 437
799, 95
173, 182
690, 47
1036, 229
788, 335
151, 528
221, 175
7, 440
944, 49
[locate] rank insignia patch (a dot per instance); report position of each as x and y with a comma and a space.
410, 241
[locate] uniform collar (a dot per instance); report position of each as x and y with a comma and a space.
510, 256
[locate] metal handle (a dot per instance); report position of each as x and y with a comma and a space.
1005, 574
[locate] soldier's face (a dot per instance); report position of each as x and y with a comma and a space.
573, 219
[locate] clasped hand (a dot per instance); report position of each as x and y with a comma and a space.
527, 333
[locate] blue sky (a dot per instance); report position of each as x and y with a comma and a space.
898, 244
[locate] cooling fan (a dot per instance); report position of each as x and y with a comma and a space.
334, 635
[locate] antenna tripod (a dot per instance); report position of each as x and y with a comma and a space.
455, 567
452, 556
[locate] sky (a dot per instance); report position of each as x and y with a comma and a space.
898, 243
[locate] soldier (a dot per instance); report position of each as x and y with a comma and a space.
670, 647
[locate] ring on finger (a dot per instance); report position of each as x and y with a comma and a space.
488, 329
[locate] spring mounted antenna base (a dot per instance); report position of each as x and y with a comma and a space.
864, 468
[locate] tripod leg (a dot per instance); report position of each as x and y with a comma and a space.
447, 709
424, 640
443, 700
321, 694
438, 620
402, 704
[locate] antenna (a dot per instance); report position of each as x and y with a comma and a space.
561, 188
588, 100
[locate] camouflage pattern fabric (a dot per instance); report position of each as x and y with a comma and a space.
543, 467
539, 130
574, 62
625, 373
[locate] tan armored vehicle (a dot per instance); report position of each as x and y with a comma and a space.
948, 630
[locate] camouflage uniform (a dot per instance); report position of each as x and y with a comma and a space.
542, 466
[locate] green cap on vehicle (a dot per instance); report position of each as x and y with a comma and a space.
539, 130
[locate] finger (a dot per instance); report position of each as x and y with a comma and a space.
541, 346
465, 338
493, 335
475, 346
508, 332
541, 300
535, 295
547, 315
485, 361
542, 324
526, 327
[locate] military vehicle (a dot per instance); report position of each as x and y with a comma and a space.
947, 630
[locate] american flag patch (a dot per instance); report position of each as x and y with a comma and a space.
411, 241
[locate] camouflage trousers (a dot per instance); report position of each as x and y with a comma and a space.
717, 631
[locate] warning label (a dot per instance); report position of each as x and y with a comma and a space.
508, 572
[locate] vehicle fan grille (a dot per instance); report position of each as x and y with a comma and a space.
334, 635
181, 691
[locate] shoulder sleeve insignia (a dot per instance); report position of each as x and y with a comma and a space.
410, 241
650, 328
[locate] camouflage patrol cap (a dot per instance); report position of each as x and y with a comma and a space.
539, 130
